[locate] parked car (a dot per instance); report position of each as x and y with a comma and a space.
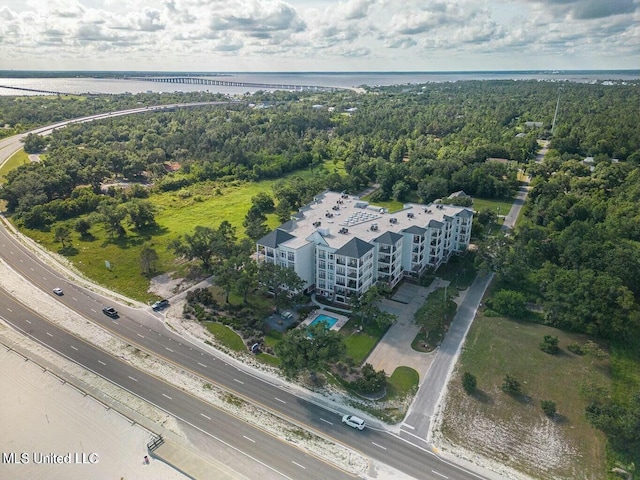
58, 291
286, 315
160, 305
110, 312
353, 421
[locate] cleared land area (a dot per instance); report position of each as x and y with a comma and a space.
513, 429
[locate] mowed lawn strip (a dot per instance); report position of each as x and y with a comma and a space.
514, 430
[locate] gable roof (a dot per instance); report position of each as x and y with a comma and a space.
275, 238
354, 248
388, 238
465, 213
414, 229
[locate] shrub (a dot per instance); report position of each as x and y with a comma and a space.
371, 381
509, 302
548, 407
550, 344
469, 383
575, 348
511, 385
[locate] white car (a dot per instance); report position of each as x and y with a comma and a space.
353, 421
58, 291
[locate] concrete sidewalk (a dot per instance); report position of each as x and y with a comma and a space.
394, 349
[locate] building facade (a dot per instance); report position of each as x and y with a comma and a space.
341, 246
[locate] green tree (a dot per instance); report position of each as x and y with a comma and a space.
550, 344
112, 215
63, 235
509, 302
148, 260
262, 202
255, 224
469, 383
511, 385
370, 380
207, 244
227, 273
548, 407
283, 210
34, 143
82, 226
283, 283
364, 308
247, 280
311, 349
141, 213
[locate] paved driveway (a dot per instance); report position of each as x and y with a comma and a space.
394, 349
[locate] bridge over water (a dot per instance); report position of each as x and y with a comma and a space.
235, 83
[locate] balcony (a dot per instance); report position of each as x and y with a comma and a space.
340, 261
385, 249
352, 264
384, 258
352, 284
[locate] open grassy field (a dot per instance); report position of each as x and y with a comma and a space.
500, 207
205, 204
514, 430
19, 158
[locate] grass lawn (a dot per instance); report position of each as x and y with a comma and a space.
359, 345
19, 158
515, 431
404, 381
500, 207
226, 336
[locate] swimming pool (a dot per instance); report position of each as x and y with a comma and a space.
326, 319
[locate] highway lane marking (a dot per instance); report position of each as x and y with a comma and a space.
326, 421
102, 362
28, 321
167, 396
301, 466
116, 322
32, 269
438, 473
250, 439
202, 365
74, 298
280, 400
208, 418
379, 446
141, 336
9, 309
236, 380
73, 348
94, 311
167, 348
48, 334
408, 426
132, 378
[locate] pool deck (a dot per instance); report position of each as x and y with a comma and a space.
342, 319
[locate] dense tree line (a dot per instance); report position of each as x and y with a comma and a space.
418, 143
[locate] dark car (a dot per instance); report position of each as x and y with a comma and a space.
160, 305
110, 312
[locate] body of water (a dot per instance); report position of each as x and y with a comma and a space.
85, 83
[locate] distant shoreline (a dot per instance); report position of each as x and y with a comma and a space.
138, 73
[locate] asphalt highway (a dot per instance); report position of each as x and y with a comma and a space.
145, 330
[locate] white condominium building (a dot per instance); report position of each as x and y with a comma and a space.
340, 245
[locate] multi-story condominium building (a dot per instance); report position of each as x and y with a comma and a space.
340, 245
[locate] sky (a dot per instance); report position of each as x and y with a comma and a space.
319, 35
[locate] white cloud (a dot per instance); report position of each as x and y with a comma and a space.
329, 34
